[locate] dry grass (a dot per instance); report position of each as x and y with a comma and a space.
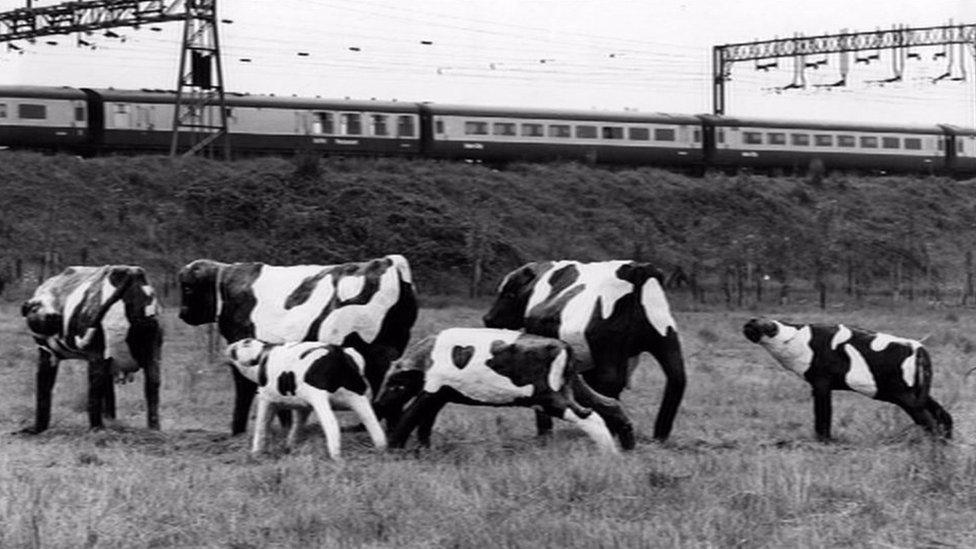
742, 469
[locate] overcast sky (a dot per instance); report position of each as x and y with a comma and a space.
649, 55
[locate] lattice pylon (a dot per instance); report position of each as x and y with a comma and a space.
200, 113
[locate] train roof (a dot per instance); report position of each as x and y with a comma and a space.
42, 92
560, 114
958, 130
261, 101
745, 122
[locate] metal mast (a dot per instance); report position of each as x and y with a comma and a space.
200, 113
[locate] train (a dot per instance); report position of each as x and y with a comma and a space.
93, 121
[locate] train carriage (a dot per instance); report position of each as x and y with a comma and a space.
792, 144
498, 134
43, 117
960, 149
143, 121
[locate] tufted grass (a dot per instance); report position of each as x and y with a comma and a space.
741, 470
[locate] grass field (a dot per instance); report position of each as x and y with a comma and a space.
742, 468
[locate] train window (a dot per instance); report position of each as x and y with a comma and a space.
846, 141
3, 110
663, 134
379, 125
405, 126
941, 145
503, 128
776, 138
869, 142
612, 132
32, 111
532, 130
475, 128
639, 134
697, 135
890, 142
79, 114
586, 132
959, 146
721, 136
438, 126
559, 130
752, 138
800, 139
350, 123
324, 122
913, 143
823, 140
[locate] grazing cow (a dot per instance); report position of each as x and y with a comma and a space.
836, 357
485, 366
105, 315
369, 306
609, 312
303, 375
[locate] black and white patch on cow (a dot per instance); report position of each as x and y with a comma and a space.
493, 367
610, 312
107, 316
839, 358
370, 306
302, 376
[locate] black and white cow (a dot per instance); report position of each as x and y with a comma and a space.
105, 315
485, 366
305, 376
609, 312
836, 357
369, 306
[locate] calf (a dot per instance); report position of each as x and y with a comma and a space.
369, 306
836, 357
302, 376
610, 312
105, 315
492, 367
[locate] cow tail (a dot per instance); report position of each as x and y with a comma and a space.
923, 373
82, 342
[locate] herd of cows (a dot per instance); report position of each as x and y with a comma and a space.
562, 337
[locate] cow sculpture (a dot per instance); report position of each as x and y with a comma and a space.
838, 358
107, 316
304, 376
369, 306
484, 366
609, 313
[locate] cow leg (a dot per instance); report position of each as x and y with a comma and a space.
47, 373
821, 410
941, 416
298, 418
609, 409
557, 405
108, 396
426, 425
151, 390
364, 409
330, 425
423, 410
543, 423
244, 390
673, 365
98, 375
918, 411
262, 423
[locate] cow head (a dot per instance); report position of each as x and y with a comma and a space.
247, 355
43, 316
398, 388
508, 311
759, 328
198, 292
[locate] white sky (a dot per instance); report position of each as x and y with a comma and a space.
650, 55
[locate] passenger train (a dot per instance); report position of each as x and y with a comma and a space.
95, 121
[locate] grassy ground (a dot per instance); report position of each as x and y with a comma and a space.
741, 470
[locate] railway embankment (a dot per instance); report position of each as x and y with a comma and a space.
735, 238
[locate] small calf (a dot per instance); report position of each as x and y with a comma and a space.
484, 366
836, 357
303, 375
